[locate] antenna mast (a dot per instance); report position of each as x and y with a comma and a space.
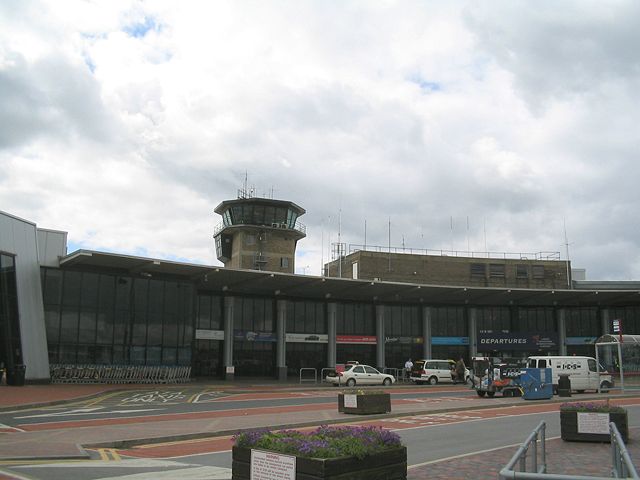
566, 244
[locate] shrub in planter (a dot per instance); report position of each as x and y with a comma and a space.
589, 421
357, 453
364, 401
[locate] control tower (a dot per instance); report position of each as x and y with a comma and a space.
258, 233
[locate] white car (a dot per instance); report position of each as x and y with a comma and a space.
435, 371
360, 375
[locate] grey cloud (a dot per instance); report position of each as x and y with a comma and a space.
560, 49
50, 97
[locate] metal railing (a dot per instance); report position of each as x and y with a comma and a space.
308, 369
546, 256
537, 470
69, 373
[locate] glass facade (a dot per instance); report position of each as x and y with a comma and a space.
403, 332
95, 318
10, 343
254, 348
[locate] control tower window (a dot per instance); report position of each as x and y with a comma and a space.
291, 218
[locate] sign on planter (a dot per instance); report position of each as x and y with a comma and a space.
350, 401
272, 466
593, 422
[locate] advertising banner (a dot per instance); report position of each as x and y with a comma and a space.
449, 340
500, 341
307, 337
240, 335
209, 334
404, 340
362, 339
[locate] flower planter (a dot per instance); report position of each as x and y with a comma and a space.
389, 464
570, 428
364, 404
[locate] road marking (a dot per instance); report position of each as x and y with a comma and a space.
194, 473
108, 454
89, 411
134, 463
9, 429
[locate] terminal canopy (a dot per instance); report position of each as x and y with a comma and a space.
611, 339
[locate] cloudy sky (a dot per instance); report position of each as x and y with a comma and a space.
480, 125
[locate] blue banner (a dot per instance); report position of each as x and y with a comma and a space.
449, 340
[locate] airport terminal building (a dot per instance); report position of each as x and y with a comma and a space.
255, 317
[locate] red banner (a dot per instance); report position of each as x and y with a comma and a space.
366, 339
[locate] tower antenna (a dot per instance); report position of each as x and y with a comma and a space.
566, 244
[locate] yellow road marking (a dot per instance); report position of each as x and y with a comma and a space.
180, 442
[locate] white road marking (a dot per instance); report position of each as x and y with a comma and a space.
89, 411
198, 473
127, 463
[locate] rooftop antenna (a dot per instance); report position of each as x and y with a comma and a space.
389, 243
339, 243
485, 234
365, 234
451, 225
566, 244
468, 247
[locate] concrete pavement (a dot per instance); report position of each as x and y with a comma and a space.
67, 440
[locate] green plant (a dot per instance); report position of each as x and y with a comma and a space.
592, 407
323, 442
361, 391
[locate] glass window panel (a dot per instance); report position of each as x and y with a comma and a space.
103, 355
184, 356
204, 312
156, 295
86, 354
105, 322
154, 356
53, 353
89, 293
154, 329
121, 328
123, 293
67, 353
137, 355
52, 321
140, 293
69, 326
170, 337
106, 297
52, 286
87, 326
119, 355
139, 331
72, 286
169, 356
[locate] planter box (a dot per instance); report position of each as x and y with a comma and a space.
364, 404
389, 465
569, 427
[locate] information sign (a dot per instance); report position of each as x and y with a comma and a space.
351, 401
272, 466
593, 422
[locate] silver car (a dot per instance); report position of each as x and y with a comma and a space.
360, 375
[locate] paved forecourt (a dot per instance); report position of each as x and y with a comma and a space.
159, 436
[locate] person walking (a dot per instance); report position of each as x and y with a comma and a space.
408, 365
460, 370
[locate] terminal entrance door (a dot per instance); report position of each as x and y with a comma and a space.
207, 358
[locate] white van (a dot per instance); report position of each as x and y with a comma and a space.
582, 372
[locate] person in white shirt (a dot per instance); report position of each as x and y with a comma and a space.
408, 365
